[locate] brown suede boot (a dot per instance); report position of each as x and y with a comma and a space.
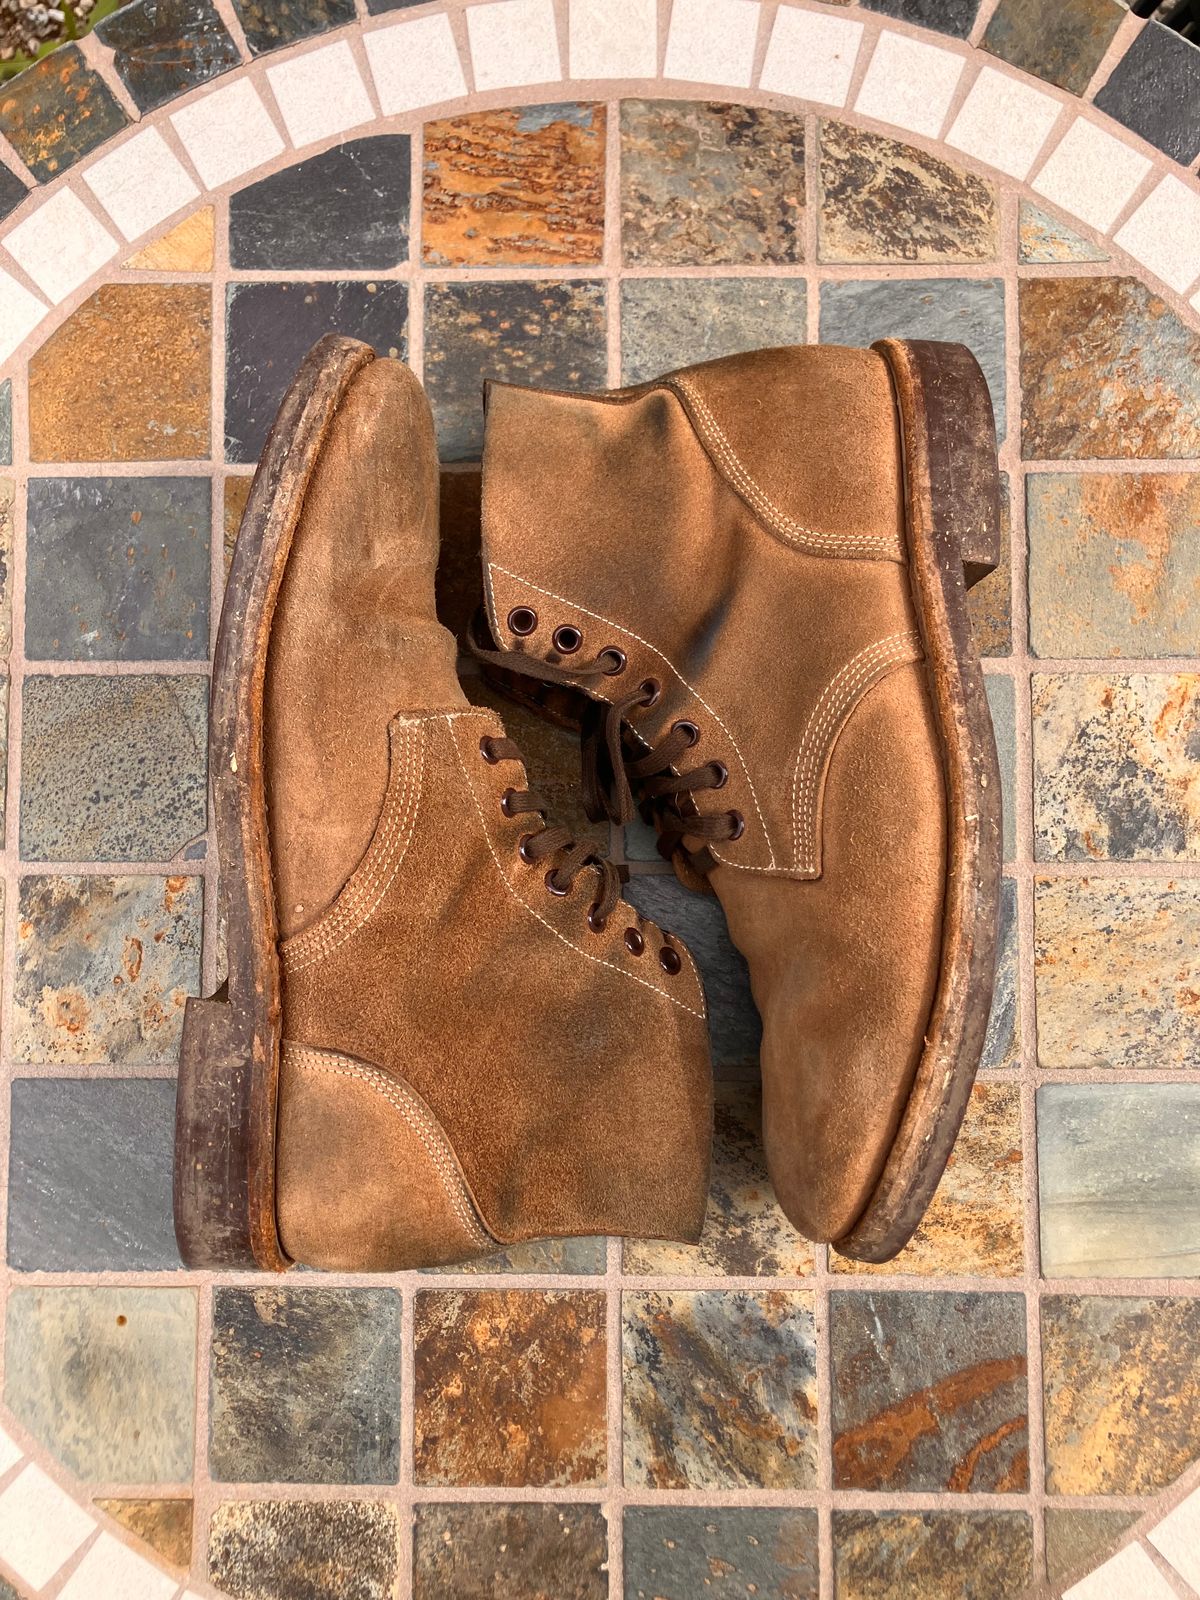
758, 568
443, 1031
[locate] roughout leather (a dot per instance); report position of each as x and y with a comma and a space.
566, 1080
738, 530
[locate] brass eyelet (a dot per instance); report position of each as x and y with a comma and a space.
651, 692
670, 960
567, 640
722, 775
522, 620
487, 752
523, 850
506, 800
634, 942
690, 728
739, 825
616, 660
553, 885
596, 923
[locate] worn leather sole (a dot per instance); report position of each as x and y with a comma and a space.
227, 1095
953, 531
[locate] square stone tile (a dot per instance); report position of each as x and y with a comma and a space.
271, 26
4, 695
735, 1030
304, 1550
320, 93
1002, 1045
1119, 1176
885, 201
13, 191
518, 187
7, 494
1114, 563
1091, 174
723, 1553
111, 1567
105, 1378
510, 1387
708, 184
1063, 43
103, 966
990, 601
414, 64
1004, 122
346, 208
187, 247
6, 428
1077, 1541
499, 1552
932, 1555
964, 311
58, 110
141, 183
712, 41
929, 1392
1001, 693
1122, 1392
514, 43
1116, 767
745, 1233
117, 569
956, 17
1155, 90
61, 244
614, 38
1114, 981
720, 1390
667, 323
1043, 237
1083, 336
20, 314
227, 132
811, 56
41, 1527
305, 1386
272, 327
975, 1225
100, 1204
909, 83
164, 1525
571, 1257
113, 769
126, 378
550, 334
1164, 234
163, 48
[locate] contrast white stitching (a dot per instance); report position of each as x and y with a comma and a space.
411, 1109
776, 519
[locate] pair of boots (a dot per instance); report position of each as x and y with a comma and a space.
443, 1030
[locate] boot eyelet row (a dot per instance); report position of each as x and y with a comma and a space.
567, 640
522, 620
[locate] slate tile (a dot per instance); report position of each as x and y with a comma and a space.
667, 323
6, 423
4, 696
377, 7
1043, 237
548, 334
1113, 973
720, 1390
1119, 1179
932, 1555
105, 1378
955, 17
164, 1525
704, 183
126, 378
516, 1552
723, 1553
1107, 370
1122, 1392
305, 1386
735, 1029
272, 327
1114, 563
304, 1550
1002, 1046
1077, 1542
98, 1204
929, 1392
187, 247
117, 569
885, 201
163, 48
975, 1225
103, 966
112, 769
57, 111
344, 209
522, 187
571, 1257
12, 191
7, 495
510, 1387
964, 311
1001, 694
236, 493
990, 601
1064, 43
273, 24
745, 1233
1116, 762
1155, 90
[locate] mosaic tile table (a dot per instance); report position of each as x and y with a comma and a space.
580, 192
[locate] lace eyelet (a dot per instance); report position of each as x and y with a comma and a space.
553, 885
651, 692
739, 825
522, 620
487, 752
616, 659
506, 800
670, 960
596, 923
634, 942
523, 849
690, 728
722, 775
567, 640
